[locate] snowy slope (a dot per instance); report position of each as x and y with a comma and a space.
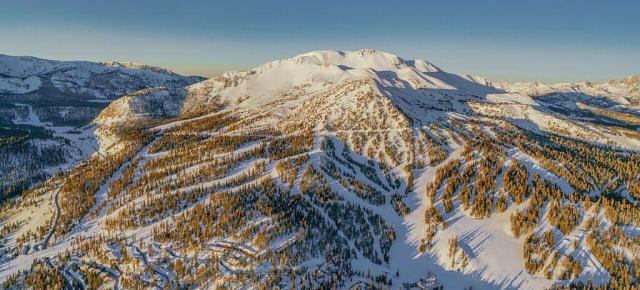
616, 93
81, 79
348, 145
60, 98
417, 86
149, 103
314, 69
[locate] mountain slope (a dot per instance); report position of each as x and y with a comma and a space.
46, 109
31, 78
343, 169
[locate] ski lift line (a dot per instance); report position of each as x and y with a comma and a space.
97, 151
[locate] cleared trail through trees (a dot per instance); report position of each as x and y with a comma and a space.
67, 284
56, 201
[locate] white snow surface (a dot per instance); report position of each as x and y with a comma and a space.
284, 85
310, 70
26, 74
144, 104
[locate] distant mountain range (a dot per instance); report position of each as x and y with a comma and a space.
33, 78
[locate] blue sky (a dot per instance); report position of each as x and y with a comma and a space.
545, 40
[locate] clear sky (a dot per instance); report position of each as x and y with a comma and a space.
545, 40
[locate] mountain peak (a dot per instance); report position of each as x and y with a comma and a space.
362, 59
133, 65
315, 69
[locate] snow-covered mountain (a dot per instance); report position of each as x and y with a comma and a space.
623, 94
345, 169
418, 88
151, 103
319, 68
46, 109
40, 78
